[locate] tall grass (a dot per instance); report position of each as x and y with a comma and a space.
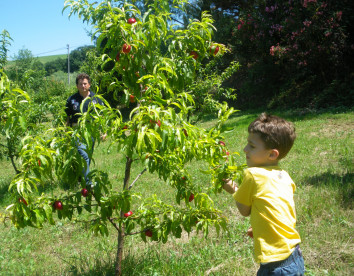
321, 164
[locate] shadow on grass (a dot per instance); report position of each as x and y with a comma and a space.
131, 265
4, 189
344, 183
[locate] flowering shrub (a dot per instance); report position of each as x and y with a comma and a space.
307, 42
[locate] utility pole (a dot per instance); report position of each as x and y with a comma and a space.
68, 64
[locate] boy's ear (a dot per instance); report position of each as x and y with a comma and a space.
274, 154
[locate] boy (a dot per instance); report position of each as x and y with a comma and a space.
266, 194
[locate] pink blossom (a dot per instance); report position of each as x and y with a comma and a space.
272, 50
270, 9
239, 27
308, 1
339, 15
307, 23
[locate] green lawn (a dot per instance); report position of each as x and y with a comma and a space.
321, 164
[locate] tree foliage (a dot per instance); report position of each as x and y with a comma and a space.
151, 66
293, 53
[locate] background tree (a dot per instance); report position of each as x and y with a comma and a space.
77, 58
59, 64
295, 53
5, 40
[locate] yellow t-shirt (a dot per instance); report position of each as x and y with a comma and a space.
270, 193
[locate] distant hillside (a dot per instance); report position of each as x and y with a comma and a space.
46, 59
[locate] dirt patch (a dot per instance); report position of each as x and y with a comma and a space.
335, 129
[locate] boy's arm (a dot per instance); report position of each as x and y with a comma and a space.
243, 209
231, 187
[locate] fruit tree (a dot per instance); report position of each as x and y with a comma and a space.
151, 64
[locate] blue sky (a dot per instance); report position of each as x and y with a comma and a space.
40, 26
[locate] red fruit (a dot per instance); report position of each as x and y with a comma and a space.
23, 201
148, 233
185, 132
222, 143
128, 214
184, 178
131, 98
125, 127
58, 205
194, 54
84, 192
227, 153
214, 50
158, 123
117, 57
191, 197
39, 162
126, 48
137, 74
250, 232
131, 20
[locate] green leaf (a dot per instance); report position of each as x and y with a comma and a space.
49, 213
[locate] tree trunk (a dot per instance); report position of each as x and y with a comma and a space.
11, 155
120, 248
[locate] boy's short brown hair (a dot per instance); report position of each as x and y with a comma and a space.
83, 76
275, 132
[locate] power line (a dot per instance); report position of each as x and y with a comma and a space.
63, 48
51, 51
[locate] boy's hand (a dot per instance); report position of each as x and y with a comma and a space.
229, 186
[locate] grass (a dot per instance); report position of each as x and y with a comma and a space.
321, 164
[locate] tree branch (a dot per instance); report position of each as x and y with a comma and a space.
3, 146
113, 223
142, 172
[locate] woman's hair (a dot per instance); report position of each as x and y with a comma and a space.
275, 132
